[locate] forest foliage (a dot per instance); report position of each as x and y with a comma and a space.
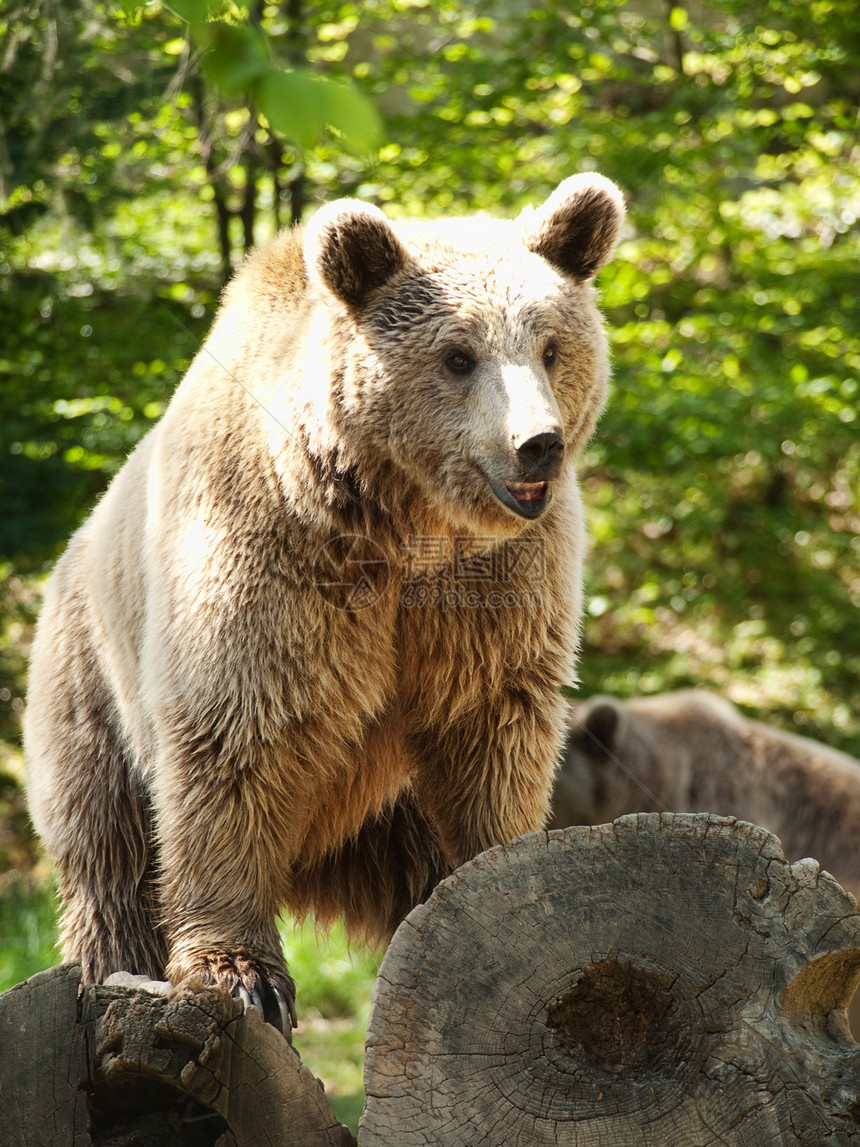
144, 146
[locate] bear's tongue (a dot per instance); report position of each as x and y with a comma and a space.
527, 493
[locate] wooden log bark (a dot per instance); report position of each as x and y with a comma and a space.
664, 981
119, 1066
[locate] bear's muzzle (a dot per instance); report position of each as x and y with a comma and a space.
528, 499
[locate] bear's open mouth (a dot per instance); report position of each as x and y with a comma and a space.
528, 499
528, 493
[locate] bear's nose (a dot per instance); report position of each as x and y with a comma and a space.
542, 453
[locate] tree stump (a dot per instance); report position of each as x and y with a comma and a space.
119, 1066
664, 981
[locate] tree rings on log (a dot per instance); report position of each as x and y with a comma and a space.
665, 981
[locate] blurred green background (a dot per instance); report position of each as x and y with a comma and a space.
144, 146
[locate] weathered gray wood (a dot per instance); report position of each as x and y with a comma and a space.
118, 1066
663, 981
43, 1056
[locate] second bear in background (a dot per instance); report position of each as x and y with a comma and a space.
693, 752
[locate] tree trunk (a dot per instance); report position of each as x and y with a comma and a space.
248, 213
297, 197
664, 981
297, 48
223, 215
114, 1066
274, 154
206, 142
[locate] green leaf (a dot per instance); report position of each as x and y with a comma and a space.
237, 57
352, 115
300, 105
191, 11
290, 102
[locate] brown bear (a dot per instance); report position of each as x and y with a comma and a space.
691, 751
307, 650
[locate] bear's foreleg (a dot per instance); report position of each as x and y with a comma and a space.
109, 910
225, 846
486, 779
87, 804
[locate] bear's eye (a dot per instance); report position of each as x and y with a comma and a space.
459, 362
550, 354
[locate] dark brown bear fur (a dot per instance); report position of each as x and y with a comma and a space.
692, 751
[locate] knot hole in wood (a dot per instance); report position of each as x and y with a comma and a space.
619, 1016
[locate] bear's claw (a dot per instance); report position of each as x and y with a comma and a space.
287, 1008
247, 999
284, 1002
256, 981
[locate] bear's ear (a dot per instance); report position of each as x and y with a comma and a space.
577, 228
601, 724
351, 249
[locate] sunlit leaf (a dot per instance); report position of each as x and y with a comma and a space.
237, 57
291, 101
192, 11
351, 114
301, 105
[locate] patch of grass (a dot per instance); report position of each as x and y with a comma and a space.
333, 979
334, 1052
28, 930
334, 985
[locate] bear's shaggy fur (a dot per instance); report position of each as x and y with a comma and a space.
691, 751
258, 680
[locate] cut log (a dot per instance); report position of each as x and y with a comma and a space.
115, 1066
664, 981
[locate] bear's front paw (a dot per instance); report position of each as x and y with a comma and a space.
257, 982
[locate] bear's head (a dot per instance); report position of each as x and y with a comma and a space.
608, 766
467, 357
649, 754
